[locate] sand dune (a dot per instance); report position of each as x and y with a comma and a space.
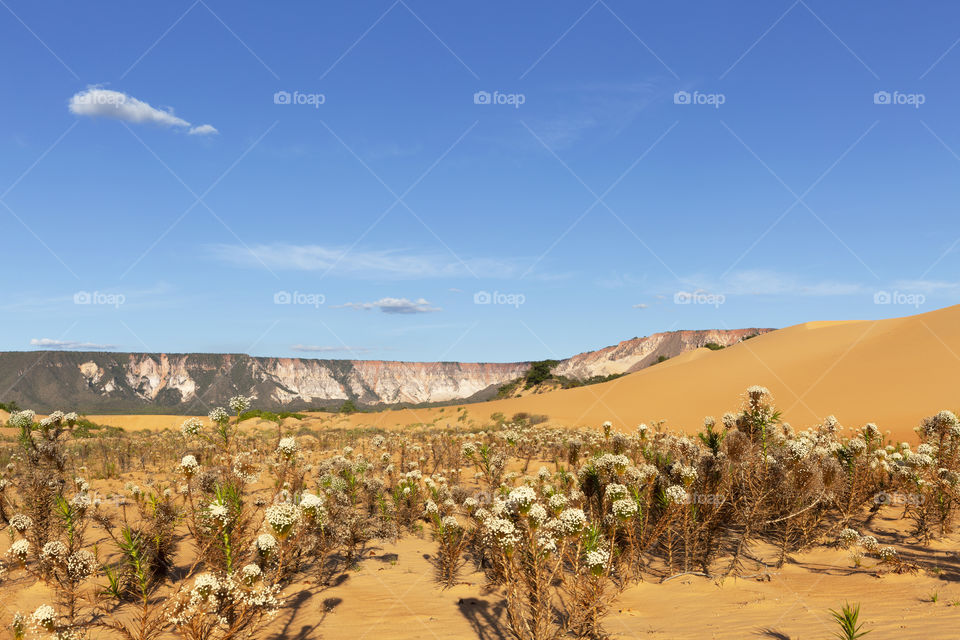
891, 372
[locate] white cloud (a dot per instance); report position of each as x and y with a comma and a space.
95, 102
203, 130
640, 306
392, 305
50, 343
312, 348
365, 263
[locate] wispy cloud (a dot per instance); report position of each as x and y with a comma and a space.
929, 287
50, 343
95, 102
365, 263
769, 283
762, 282
312, 348
596, 109
641, 306
392, 305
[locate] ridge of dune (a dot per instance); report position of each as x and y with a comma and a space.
893, 372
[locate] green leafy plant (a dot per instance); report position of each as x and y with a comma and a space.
847, 618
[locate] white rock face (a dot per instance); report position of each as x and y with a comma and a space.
285, 381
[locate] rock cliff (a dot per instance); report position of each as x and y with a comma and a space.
184, 382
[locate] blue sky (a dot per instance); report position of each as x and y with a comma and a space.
470, 181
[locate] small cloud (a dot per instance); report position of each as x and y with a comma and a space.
203, 130
392, 305
50, 343
95, 102
455, 290
365, 263
312, 348
641, 306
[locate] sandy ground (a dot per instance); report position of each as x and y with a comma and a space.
891, 372
391, 593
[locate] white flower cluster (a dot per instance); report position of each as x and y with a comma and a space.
265, 544
537, 514
624, 508
312, 505
80, 502
557, 502
281, 517
251, 573
220, 512
849, 537
45, 617
645, 473
210, 595
612, 463
54, 419
677, 494
287, 447
856, 446
520, 499
596, 559
501, 531
191, 427
239, 404
547, 543
189, 465
21, 419
20, 522
799, 448
919, 459
81, 565
54, 550
688, 474
219, 415
19, 550
570, 522
615, 491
